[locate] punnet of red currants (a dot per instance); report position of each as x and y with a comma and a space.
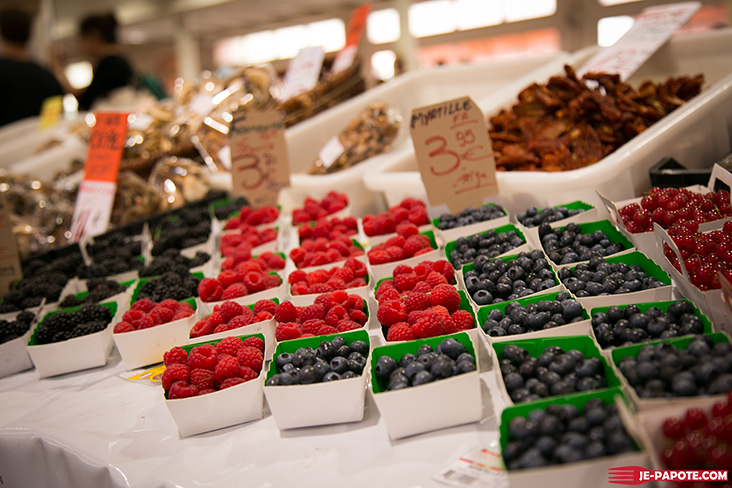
703, 253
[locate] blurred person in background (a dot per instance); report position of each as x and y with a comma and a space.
24, 84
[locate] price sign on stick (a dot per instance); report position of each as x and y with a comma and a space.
303, 72
94, 202
260, 165
454, 153
653, 27
9, 263
356, 26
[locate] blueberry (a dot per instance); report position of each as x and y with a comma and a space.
566, 454
308, 375
413, 368
680, 308
422, 378
515, 354
290, 378
527, 369
595, 449
521, 429
289, 368
589, 367
563, 364
452, 348
466, 356
562, 387
698, 347
690, 324
274, 380
483, 297
721, 384
579, 424
282, 359
512, 450
424, 349
339, 364
338, 342
550, 378
618, 442
545, 445
385, 365
575, 440
360, 347
513, 381
567, 412
551, 425
356, 366
406, 359
427, 358
571, 309
531, 458
614, 313
321, 369
398, 383
545, 359
326, 351
683, 386
442, 368
465, 367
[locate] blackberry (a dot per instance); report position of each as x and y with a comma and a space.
172, 260
62, 326
222, 212
111, 265
12, 329
170, 285
187, 228
99, 289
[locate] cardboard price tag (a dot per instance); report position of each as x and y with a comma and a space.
10, 269
260, 164
354, 32
454, 153
653, 27
303, 72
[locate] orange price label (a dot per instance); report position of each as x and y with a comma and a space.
454, 153
105, 147
354, 32
260, 164
10, 269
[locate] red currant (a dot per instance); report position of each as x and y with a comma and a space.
673, 428
695, 419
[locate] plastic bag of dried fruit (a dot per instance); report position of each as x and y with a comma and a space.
370, 133
178, 181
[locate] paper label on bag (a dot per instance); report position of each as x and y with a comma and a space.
260, 164
303, 71
10, 269
331, 151
51, 111
354, 32
454, 153
481, 467
653, 27
93, 207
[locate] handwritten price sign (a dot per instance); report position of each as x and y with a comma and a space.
454, 153
260, 165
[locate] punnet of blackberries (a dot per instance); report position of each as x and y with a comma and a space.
626, 326
31, 290
571, 245
187, 228
12, 329
63, 326
489, 244
106, 247
562, 434
222, 212
170, 286
518, 319
553, 373
99, 289
331, 361
597, 277
470, 216
173, 260
498, 280
665, 370
534, 217
448, 359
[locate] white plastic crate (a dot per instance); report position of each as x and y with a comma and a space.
696, 134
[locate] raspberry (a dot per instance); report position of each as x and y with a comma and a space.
396, 241
297, 276
287, 331
359, 268
327, 329
228, 264
317, 276
423, 251
395, 253
323, 300
413, 245
422, 287
312, 326
170, 304
314, 311
215, 319
417, 301
181, 389
236, 323
202, 357
227, 367
274, 261
405, 282
144, 305
299, 289
447, 296
445, 268
177, 355
222, 328
377, 257
357, 283
345, 273
449, 326
250, 357
200, 329
123, 327
400, 332
346, 325
255, 342
390, 312
161, 315
335, 315
418, 216
210, 290
435, 279
413, 317
229, 310
319, 288
254, 282
336, 284
131, 316
265, 306
355, 302
407, 229
423, 269
228, 278
286, 312
206, 391
401, 269
249, 374
463, 320
358, 316
203, 379
229, 382
388, 295
229, 345
339, 296
430, 325
235, 291
174, 372
271, 281
441, 311
144, 322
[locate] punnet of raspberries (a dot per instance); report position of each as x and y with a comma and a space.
234, 284
146, 313
666, 206
249, 238
331, 313
230, 315
703, 253
409, 211
243, 262
351, 275
314, 209
249, 217
406, 244
328, 228
422, 278
324, 251
212, 367
419, 315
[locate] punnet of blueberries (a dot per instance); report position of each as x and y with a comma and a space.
498, 280
665, 370
448, 359
571, 245
518, 319
533, 217
330, 361
12, 329
618, 326
562, 433
554, 372
489, 244
66, 325
600, 278
469, 216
